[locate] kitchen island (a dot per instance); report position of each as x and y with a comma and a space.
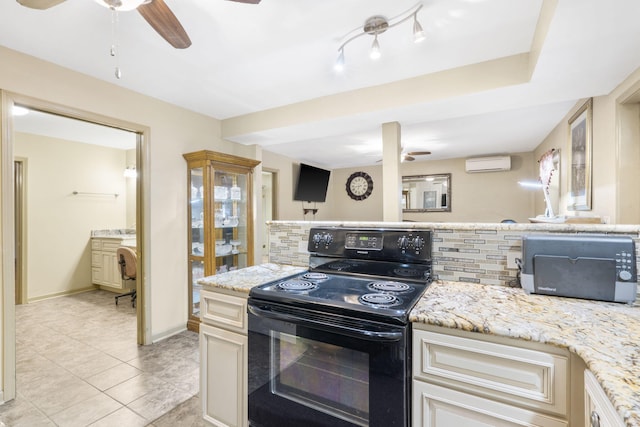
604, 335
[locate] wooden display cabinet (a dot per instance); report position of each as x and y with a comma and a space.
219, 209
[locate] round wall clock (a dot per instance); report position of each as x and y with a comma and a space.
359, 185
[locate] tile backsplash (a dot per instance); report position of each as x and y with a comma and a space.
461, 252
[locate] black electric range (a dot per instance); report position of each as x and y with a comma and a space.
366, 273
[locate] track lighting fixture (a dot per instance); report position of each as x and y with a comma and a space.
377, 25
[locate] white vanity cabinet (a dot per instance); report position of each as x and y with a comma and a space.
105, 270
469, 379
224, 359
598, 410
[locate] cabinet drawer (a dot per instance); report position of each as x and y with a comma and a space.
435, 406
224, 311
537, 379
111, 245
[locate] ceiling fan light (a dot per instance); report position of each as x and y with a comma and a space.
339, 65
121, 5
375, 49
418, 32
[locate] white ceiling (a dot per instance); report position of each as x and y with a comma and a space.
249, 58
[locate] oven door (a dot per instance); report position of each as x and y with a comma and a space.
313, 369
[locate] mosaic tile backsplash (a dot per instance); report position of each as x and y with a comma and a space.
461, 252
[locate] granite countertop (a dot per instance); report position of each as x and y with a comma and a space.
114, 233
605, 335
244, 279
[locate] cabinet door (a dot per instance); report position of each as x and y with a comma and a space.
116, 277
435, 406
599, 411
96, 272
223, 377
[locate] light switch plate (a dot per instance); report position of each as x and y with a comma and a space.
302, 247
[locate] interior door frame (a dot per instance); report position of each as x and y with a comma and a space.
7, 222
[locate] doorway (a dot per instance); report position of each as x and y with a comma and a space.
11, 218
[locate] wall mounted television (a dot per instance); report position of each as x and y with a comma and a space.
312, 184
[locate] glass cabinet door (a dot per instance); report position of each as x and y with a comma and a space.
196, 238
230, 214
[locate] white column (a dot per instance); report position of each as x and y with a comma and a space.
391, 178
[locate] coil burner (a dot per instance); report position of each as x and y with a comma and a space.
315, 276
389, 286
296, 286
379, 300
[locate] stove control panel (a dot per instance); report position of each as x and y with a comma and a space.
382, 244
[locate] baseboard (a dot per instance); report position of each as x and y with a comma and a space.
62, 294
167, 334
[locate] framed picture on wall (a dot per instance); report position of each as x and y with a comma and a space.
580, 138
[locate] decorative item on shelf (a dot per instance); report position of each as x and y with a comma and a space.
235, 244
220, 193
548, 164
236, 193
377, 25
224, 249
194, 193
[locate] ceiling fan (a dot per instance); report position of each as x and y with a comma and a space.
155, 12
411, 155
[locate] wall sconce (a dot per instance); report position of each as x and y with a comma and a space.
377, 25
130, 172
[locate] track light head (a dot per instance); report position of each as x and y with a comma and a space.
339, 65
375, 49
418, 32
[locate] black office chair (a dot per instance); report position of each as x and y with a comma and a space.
127, 260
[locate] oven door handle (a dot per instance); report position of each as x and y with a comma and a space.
345, 330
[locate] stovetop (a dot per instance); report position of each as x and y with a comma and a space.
375, 298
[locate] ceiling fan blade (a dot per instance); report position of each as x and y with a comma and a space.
408, 158
39, 4
418, 153
160, 17
247, 1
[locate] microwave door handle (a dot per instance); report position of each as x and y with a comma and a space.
352, 332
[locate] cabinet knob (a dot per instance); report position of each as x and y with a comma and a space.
595, 419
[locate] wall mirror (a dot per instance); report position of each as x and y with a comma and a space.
426, 193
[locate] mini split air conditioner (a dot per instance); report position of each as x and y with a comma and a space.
488, 164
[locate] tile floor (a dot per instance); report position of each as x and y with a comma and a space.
78, 364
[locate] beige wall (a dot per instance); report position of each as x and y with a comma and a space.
611, 156
173, 131
479, 197
58, 223
286, 177
131, 192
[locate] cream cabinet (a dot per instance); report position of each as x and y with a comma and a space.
599, 412
223, 359
105, 270
467, 379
